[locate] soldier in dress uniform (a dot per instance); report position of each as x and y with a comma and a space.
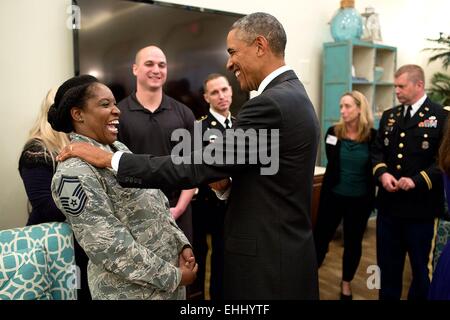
208, 210
135, 248
410, 194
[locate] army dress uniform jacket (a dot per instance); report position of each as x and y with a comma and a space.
129, 235
211, 127
410, 150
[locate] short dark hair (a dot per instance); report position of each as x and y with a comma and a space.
264, 24
73, 92
212, 76
415, 72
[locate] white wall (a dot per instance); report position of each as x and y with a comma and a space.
407, 24
306, 25
37, 54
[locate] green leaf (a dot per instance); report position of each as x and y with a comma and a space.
440, 88
443, 49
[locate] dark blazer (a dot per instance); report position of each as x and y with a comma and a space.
410, 150
269, 247
332, 173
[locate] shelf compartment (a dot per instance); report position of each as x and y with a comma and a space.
385, 58
384, 99
363, 62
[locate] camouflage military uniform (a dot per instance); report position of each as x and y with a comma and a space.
131, 239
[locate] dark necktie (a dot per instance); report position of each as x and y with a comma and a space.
408, 113
227, 124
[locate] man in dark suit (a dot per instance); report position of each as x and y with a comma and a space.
269, 247
410, 196
208, 211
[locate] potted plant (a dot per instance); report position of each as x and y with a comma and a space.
440, 82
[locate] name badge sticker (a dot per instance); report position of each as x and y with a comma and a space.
331, 140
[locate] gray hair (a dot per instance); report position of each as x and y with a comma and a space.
262, 24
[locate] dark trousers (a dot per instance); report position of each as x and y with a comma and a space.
396, 237
81, 259
208, 218
354, 211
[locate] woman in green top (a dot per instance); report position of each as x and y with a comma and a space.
348, 188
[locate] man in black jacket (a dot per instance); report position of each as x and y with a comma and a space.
149, 117
208, 211
410, 196
269, 247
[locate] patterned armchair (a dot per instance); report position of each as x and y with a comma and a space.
37, 262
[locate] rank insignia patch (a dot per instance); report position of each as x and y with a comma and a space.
72, 196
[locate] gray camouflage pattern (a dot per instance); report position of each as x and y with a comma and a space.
129, 235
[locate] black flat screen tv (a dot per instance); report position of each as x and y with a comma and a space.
193, 39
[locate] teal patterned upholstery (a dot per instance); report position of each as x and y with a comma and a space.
23, 253
24, 275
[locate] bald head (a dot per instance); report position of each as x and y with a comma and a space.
147, 52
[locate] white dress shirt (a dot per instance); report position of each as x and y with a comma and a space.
221, 118
272, 76
416, 105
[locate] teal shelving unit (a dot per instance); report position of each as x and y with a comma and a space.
366, 59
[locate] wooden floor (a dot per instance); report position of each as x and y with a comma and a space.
330, 273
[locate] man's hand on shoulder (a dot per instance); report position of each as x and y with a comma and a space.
89, 153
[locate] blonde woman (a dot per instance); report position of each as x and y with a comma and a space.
348, 189
37, 165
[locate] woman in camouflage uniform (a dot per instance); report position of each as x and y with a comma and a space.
135, 248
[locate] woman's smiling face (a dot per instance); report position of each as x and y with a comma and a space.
99, 118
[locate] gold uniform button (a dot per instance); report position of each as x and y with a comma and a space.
402, 134
425, 135
401, 145
399, 167
400, 156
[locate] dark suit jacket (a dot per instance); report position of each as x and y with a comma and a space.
410, 150
269, 247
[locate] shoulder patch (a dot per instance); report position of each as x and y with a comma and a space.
447, 108
202, 118
72, 196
